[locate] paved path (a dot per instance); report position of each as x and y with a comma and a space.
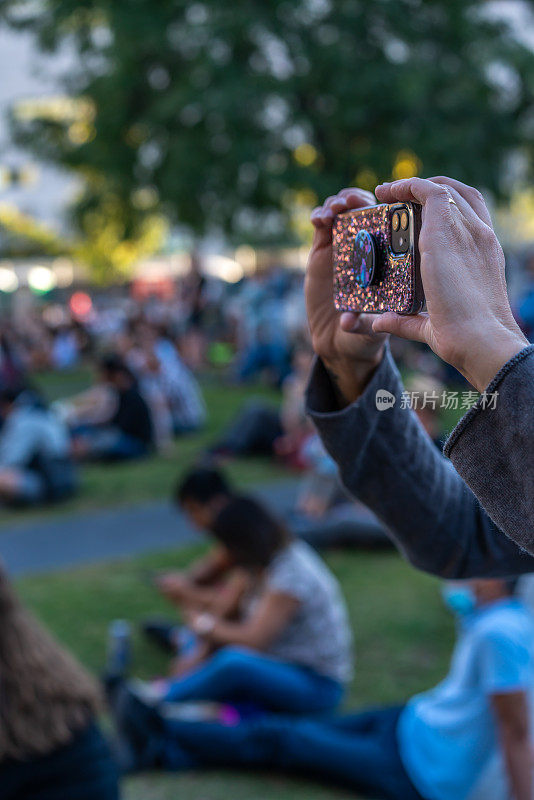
110, 534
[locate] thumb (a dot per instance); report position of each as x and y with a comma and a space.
406, 327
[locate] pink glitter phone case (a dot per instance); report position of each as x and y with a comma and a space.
368, 275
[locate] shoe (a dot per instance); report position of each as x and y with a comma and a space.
139, 730
162, 633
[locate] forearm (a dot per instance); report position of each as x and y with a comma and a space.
274, 613
492, 448
186, 595
488, 353
184, 664
209, 569
388, 461
200, 597
349, 379
235, 633
227, 603
518, 762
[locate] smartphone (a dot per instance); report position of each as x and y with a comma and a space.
376, 259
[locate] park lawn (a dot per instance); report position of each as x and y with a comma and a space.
106, 485
403, 641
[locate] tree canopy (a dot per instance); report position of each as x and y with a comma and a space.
237, 114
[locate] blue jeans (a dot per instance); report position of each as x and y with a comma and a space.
359, 751
108, 443
264, 355
236, 675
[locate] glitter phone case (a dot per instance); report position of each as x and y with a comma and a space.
368, 275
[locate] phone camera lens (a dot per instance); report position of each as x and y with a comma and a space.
399, 236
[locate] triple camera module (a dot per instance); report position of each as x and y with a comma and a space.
400, 230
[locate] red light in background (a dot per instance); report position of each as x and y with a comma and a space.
80, 304
163, 287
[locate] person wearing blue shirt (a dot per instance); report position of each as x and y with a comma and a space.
466, 739
476, 721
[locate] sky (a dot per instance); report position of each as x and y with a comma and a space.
26, 73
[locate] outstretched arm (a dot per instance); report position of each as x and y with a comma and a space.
384, 456
388, 461
492, 448
512, 717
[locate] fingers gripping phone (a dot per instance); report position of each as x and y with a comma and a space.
376, 259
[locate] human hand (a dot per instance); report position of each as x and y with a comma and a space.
183, 665
201, 622
469, 322
346, 342
172, 585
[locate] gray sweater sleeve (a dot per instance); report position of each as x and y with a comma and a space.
492, 448
389, 462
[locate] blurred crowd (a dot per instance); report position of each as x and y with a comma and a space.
145, 356
146, 352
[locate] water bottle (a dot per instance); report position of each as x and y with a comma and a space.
119, 648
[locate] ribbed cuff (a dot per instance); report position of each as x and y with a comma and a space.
478, 406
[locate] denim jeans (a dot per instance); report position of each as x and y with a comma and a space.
108, 443
264, 355
359, 751
236, 675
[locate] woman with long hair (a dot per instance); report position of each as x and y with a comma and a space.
289, 647
50, 745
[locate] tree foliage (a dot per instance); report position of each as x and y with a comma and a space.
234, 114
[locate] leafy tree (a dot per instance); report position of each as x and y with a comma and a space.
239, 115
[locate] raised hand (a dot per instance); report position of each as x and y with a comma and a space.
469, 322
346, 343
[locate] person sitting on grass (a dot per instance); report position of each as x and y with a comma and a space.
289, 649
466, 739
211, 582
35, 465
262, 429
50, 745
128, 432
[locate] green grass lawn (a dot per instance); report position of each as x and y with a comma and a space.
403, 639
